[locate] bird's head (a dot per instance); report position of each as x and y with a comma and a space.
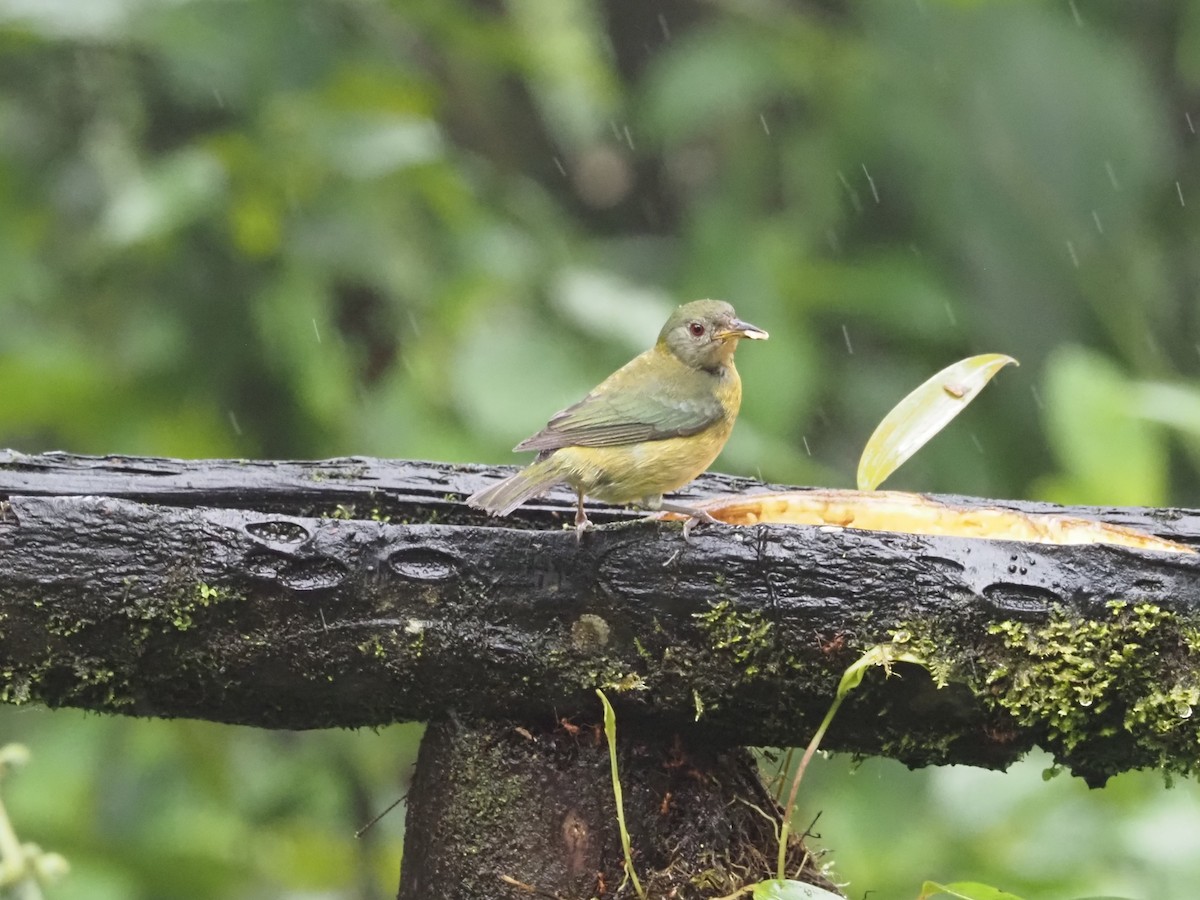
704, 333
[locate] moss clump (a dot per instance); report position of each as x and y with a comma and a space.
743, 636
181, 611
928, 641
373, 648
1127, 684
343, 511
590, 634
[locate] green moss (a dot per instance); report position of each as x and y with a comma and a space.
206, 594
641, 650
928, 641
1130, 680
64, 625
589, 634
180, 611
373, 647
91, 686
622, 684
745, 637
936, 749
16, 687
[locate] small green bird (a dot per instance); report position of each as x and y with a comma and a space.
649, 428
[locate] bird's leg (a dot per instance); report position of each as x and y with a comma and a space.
582, 523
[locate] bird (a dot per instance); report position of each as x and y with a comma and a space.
648, 429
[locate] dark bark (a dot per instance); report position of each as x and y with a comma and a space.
495, 803
217, 590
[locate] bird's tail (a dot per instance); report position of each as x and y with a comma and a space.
503, 497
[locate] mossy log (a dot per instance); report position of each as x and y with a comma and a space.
361, 592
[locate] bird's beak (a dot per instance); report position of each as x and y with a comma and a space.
740, 329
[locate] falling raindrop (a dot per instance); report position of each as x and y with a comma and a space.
1179, 191
1112, 175
237, 428
1037, 398
854, 201
561, 168
807, 449
662, 23
1075, 13
846, 335
871, 182
762, 118
316, 330
950, 315
1191, 127
1096, 219
1074, 258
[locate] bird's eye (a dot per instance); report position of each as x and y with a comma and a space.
696, 329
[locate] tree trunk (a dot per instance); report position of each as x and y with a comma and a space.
497, 809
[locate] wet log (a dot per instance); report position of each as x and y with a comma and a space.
362, 592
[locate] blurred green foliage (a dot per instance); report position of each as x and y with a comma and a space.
301, 228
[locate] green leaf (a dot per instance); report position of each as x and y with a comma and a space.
1094, 419
923, 413
965, 890
786, 889
710, 76
165, 196
1174, 405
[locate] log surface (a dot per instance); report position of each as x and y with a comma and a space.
362, 592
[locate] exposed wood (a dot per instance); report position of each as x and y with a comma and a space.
362, 592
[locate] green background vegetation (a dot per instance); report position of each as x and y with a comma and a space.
304, 228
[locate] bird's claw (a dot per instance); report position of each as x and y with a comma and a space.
582, 524
697, 517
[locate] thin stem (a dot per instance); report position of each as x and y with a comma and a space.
789, 807
610, 730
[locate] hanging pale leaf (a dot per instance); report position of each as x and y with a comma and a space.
923, 413
786, 889
964, 890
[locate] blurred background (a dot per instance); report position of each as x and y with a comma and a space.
306, 228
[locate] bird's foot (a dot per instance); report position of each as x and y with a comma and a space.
695, 520
582, 524
695, 516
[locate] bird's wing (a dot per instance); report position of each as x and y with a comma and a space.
651, 398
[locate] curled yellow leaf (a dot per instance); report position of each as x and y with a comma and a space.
923, 413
